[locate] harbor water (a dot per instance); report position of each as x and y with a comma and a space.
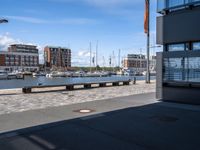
34, 81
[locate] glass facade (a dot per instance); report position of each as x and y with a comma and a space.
186, 69
196, 46
173, 3
167, 4
161, 4
176, 47
194, 69
173, 69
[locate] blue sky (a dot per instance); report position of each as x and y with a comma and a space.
116, 24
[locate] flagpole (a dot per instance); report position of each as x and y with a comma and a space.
148, 43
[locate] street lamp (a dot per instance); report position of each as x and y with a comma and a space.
155, 46
3, 21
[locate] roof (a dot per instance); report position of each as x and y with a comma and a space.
58, 47
27, 45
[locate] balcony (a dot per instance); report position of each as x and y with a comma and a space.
168, 5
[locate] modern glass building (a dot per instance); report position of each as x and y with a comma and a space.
178, 66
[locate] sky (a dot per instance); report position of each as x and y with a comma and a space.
115, 24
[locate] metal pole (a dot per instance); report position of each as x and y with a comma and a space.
140, 70
119, 58
148, 46
90, 57
103, 63
97, 54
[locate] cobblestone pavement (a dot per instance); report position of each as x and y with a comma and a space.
15, 101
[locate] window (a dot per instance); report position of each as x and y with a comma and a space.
182, 69
161, 5
196, 46
173, 69
194, 69
176, 47
173, 3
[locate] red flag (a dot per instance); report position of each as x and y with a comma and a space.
146, 17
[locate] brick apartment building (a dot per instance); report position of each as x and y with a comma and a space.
135, 62
20, 57
57, 57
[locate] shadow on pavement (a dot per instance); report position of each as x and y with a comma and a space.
150, 127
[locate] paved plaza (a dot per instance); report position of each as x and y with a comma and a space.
15, 101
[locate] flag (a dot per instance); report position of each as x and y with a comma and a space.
110, 61
93, 59
146, 17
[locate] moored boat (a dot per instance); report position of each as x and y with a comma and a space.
38, 74
3, 74
15, 75
55, 74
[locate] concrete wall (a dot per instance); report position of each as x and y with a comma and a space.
182, 94
179, 26
159, 80
159, 30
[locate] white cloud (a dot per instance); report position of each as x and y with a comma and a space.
27, 19
103, 3
73, 21
84, 53
6, 40
81, 58
80, 62
78, 21
111, 3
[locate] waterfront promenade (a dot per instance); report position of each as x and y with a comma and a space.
15, 101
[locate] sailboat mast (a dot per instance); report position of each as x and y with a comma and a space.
90, 57
97, 55
119, 56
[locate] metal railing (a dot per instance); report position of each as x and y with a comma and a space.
164, 5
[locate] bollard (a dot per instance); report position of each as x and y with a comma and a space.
134, 80
102, 84
70, 87
115, 84
87, 86
126, 83
26, 90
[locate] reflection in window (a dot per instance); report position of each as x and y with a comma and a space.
176, 47
194, 69
182, 69
161, 5
187, 46
173, 3
196, 46
173, 69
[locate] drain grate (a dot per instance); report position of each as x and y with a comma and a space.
84, 111
167, 119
